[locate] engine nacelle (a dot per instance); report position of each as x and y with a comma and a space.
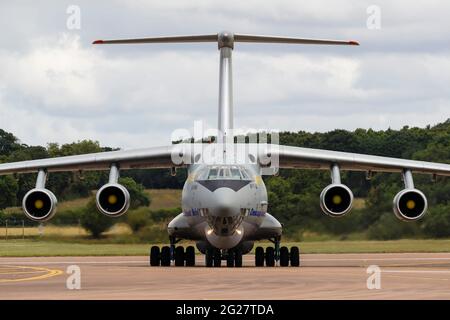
113, 200
410, 205
39, 204
336, 200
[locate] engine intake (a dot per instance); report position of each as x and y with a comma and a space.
39, 204
410, 205
336, 200
113, 199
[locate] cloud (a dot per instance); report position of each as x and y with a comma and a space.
56, 86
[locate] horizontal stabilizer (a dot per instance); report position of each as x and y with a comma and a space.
272, 39
170, 39
228, 39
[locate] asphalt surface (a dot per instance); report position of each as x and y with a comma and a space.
321, 276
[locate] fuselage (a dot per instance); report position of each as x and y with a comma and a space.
224, 204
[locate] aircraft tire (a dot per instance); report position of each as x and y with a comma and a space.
230, 259
155, 256
295, 257
179, 256
284, 257
165, 256
209, 257
217, 260
190, 256
259, 257
270, 257
238, 259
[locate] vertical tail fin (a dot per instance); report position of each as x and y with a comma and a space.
225, 41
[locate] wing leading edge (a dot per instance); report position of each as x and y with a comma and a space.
306, 158
287, 157
157, 157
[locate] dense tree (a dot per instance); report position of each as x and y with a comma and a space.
293, 194
138, 197
8, 191
437, 222
95, 222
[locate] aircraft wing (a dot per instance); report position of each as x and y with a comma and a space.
157, 157
306, 158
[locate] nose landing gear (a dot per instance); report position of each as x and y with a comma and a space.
163, 256
214, 257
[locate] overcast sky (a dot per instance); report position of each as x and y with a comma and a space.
56, 87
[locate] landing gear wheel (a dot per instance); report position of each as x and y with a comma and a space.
165, 256
230, 259
179, 256
270, 257
209, 257
190, 256
238, 259
217, 258
284, 257
259, 257
295, 257
155, 256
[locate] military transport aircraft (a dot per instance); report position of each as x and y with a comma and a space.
224, 202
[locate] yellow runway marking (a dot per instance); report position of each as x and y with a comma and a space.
48, 273
20, 272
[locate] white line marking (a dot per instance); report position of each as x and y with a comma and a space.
69, 262
377, 259
415, 271
145, 260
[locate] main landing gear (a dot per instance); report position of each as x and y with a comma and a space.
163, 256
270, 257
274, 254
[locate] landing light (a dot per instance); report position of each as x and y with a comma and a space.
209, 232
239, 232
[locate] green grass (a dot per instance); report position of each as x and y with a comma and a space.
28, 248
164, 198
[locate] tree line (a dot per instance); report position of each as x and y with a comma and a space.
293, 194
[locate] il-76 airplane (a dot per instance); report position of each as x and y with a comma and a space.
224, 201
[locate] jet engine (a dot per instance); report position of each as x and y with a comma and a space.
409, 204
113, 199
39, 204
336, 200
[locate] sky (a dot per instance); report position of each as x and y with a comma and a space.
55, 86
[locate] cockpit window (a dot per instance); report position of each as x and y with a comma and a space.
245, 175
235, 173
228, 172
213, 173
225, 173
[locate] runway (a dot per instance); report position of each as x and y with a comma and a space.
322, 276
